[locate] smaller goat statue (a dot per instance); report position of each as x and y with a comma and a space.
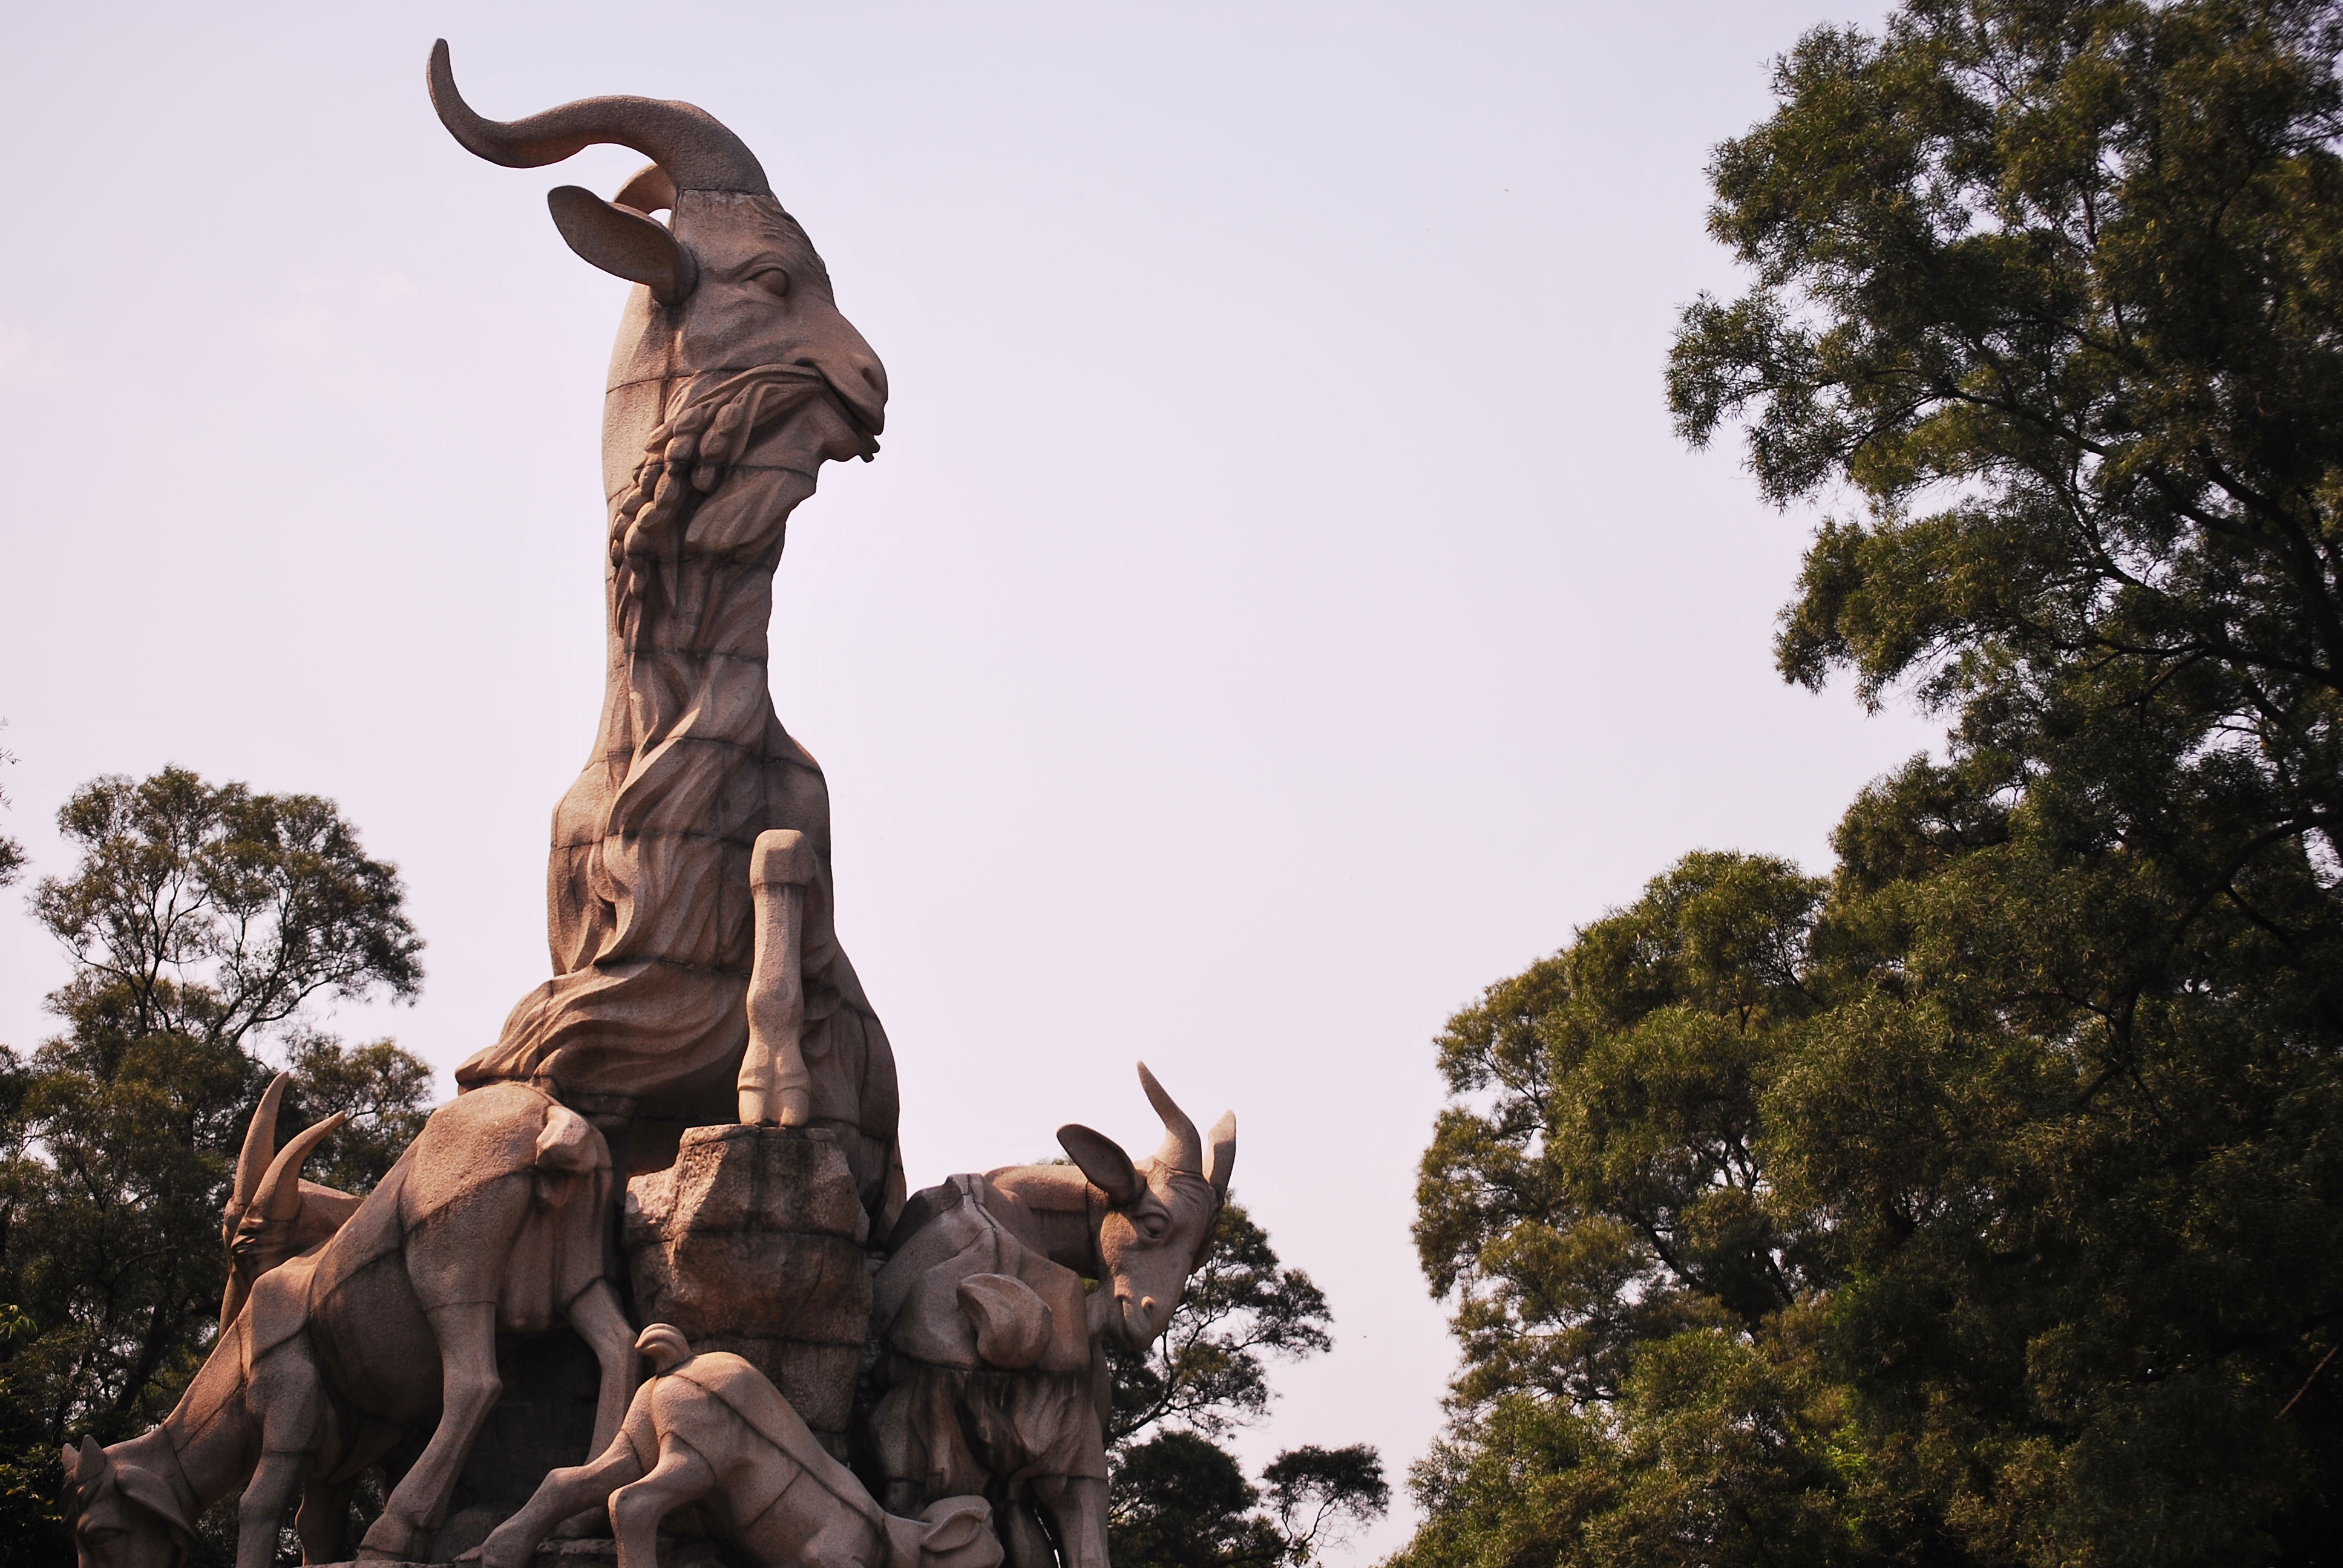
993, 1351
708, 1429
491, 1224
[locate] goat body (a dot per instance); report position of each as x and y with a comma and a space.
491, 1221
993, 1351
711, 1429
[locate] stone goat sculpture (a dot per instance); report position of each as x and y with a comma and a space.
733, 379
493, 1220
709, 1429
296, 1215
992, 1352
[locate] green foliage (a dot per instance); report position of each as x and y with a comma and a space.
1595, 1183
1715, 1450
2050, 289
1906, 1252
1317, 1492
1177, 1498
1984, 1204
1181, 1501
200, 920
1634, 1306
12, 853
209, 913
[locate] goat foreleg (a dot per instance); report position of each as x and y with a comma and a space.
469, 1388
1076, 1505
596, 1317
561, 1494
775, 1082
261, 1509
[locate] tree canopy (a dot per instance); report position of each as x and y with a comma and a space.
1178, 1499
201, 920
1979, 1203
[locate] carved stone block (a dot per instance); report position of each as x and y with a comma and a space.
752, 1243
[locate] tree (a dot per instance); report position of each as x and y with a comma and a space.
1181, 1499
2049, 289
202, 920
1318, 1492
1594, 1183
2007, 1223
1177, 1498
1634, 1308
12, 853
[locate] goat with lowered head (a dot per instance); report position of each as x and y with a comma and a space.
493, 1221
992, 1352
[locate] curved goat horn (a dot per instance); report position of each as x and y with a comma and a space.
689, 142
280, 1191
259, 1145
648, 189
1182, 1150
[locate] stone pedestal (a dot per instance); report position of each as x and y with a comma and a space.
752, 1243
604, 1554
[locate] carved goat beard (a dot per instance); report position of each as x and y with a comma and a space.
710, 421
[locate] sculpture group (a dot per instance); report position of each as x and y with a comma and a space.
682, 1146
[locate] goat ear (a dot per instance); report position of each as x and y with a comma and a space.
153, 1493
1101, 1160
962, 1521
1221, 1154
623, 243
1012, 1323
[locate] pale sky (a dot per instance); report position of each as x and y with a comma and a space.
1281, 608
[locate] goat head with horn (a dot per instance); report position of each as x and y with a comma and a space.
733, 379
273, 1212
993, 1353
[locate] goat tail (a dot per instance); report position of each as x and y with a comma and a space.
568, 1145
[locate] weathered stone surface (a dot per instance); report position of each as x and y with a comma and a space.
727, 394
818, 1379
988, 1340
751, 1179
694, 1553
752, 1243
721, 1429
494, 1225
545, 1419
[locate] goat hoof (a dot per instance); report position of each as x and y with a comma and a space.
389, 1541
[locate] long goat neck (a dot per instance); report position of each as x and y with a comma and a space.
1065, 1209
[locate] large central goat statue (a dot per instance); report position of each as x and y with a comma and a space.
492, 1222
992, 1354
733, 379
